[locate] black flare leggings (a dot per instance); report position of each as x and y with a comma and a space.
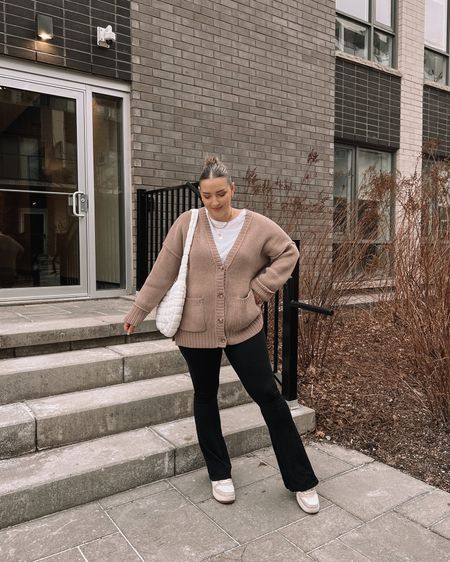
251, 362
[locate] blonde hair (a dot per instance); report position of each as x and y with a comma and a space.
214, 168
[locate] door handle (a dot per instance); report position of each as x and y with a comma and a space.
79, 203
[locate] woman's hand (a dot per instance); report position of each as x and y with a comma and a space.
129, 328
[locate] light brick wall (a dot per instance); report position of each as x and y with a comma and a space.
252, 81
411, 29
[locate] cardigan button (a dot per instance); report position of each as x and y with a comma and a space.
220, 295
220, 320
223, 340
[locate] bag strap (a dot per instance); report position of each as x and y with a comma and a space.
189, 237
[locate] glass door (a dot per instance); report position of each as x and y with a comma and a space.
43, 200
108, 192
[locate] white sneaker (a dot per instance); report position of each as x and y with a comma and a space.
223, 490
308, 500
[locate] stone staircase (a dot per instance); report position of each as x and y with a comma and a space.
86, 412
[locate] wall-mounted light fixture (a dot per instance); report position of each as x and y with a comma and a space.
44, 27
106, 36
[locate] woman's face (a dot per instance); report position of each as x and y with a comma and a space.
216, 194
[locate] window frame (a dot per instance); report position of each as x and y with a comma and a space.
435, 206
445, 54
351, 216
372, 25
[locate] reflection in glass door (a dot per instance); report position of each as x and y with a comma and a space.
108, 161
40, 200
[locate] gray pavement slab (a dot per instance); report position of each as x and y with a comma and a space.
428, 508
337, 551
271, 547
54, 533
324, 465
349, 456
72, 555
259, 508
247, 469
175, 519
114, 548
311, 532
135, 494
393, 538
442, 528
371, 489
168, 527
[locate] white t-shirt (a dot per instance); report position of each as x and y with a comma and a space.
226, 237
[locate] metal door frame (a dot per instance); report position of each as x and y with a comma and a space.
59, 82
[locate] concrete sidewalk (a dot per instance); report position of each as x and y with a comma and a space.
23, 314
369, 511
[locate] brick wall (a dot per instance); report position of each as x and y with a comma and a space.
251, 81
411, 18
74, 44
367, 105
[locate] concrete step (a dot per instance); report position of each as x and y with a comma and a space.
36, 338
243, 427
17, 431
25, 378
49, 481
79, 416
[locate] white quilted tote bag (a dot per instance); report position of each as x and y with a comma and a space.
170, 309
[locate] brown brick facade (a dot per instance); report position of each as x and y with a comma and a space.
250, 81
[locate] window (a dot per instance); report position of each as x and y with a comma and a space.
436, 191
359, 214
436, 59
365, 28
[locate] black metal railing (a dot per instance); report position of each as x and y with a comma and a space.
289, 331
157, 210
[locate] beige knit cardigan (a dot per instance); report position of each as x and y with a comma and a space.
220, 307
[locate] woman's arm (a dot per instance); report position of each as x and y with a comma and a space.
282, 254
162, 276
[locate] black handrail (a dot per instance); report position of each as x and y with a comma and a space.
291, 309
311, 308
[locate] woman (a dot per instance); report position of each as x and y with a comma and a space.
238, 260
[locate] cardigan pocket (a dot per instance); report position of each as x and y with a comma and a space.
193, 318
242, 312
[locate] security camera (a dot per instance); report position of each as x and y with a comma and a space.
105, 36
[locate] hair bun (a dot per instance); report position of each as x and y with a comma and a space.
212, 160
214, 168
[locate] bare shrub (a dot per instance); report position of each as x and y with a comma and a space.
353, 247
421, 303
330, 272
